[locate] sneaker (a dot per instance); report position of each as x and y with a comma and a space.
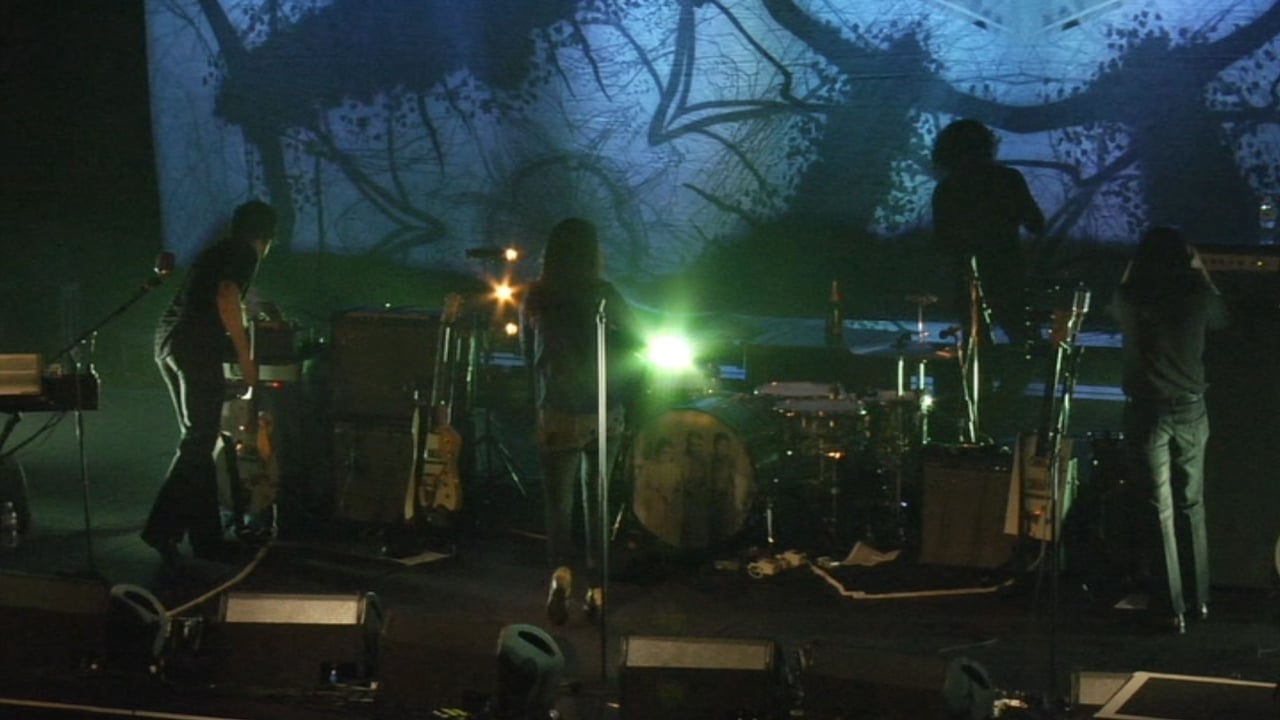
593, 602
558, 597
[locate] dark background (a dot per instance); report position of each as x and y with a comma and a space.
80, 217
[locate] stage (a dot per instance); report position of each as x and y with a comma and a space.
829, 631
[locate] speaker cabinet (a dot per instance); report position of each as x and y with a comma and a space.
292, 641
52, 623
966, 495
370, 468
1241, 495
379, 359
849, 682
697, 678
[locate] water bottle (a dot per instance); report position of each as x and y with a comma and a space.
8, 526
1267, 220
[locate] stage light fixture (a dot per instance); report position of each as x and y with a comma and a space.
511, 329
670, 353
503, 292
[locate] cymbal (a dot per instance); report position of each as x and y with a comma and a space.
911, 351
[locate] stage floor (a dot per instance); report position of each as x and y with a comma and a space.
867, 641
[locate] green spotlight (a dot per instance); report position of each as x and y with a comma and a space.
670, 353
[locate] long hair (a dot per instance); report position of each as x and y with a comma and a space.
572, 252
964, 143
1161, 266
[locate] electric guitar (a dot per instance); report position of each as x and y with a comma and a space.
435, 487
252, 466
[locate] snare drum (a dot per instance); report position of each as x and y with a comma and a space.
817, 417
697, 469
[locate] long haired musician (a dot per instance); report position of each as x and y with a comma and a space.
1165, 304
558, 334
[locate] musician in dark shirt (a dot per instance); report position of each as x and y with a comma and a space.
203, 325
1165, 304
558, 334
979, 210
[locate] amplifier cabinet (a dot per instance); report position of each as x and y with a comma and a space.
380, 358
966, 495
370, 468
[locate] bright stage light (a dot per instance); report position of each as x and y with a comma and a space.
511, 329
670, 353
503, 293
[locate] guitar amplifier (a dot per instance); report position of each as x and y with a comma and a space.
380, 359
1247, 275
370, 469
966, 495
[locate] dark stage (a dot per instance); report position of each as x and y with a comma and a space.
321, 624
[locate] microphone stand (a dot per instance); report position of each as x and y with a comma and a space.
163, 268
602, 472
1065, 364
979, 316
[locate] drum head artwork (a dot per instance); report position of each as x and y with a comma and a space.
695, 472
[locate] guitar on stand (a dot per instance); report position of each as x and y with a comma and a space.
249, 486
434, 495
251, 466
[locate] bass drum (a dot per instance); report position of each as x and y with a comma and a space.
697, 469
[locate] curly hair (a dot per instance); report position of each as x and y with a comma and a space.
962, 143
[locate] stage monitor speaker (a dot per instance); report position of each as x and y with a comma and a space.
370, 468
293, 641
380, 357
966, 495
847, 682
52, 623
1159, 696
1241, 495
431, 656
679, 678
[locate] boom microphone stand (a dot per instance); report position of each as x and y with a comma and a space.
163, 268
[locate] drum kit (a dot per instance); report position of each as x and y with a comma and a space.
789, 464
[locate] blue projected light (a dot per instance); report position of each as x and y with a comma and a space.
402, 130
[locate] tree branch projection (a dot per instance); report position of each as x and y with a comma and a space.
688, 120
1154, 92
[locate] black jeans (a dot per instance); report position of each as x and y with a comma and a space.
1166, 440
187, 503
